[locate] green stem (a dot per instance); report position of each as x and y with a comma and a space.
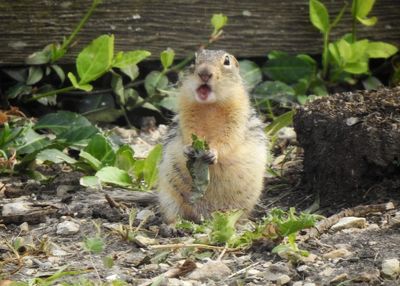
353, 30
51, 93
325, 55
83, 21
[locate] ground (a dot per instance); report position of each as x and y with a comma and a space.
45, 247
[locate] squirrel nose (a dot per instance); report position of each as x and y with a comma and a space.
205, 75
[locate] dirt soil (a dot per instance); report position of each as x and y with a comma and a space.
352, 256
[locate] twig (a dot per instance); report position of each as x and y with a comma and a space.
197, 245
358, 211
222, 254
242, 270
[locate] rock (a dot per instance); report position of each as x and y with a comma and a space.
373, 226
15, 209
283, 280
179, 282
328, 271
370, 276
253, 272
339, 278
350, 222
67, 228
298, 283
214, 270
145, 214
337, 253
277, 272
391, 268
24, 227
144, 241
309, 284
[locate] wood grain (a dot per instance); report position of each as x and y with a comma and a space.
254, 29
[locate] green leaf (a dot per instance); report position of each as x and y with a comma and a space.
90, 182
223, 226
38, 58
61, 121
100, 148
95, 59
118, 88
124, 159
250, 73
199, 144
276, 55
381, 50
154, 81
31, 142
273, 90
218, 21
368, 21
290, 69
108, 262
59, 71
132, 71
371, 83
357, 68
54, 155
35, 74
77, 135
127, 59
319, 16
19, 75
150, 167
93, 162
361, 8
94, 244
115, 176
167, 58
139, 166
18, 90
284, 120
85, 87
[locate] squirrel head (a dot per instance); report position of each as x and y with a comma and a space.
213, 78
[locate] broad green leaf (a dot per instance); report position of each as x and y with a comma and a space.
250, 73
277, 55
290, 69
115, 176
381, 50
93, 162
132, 71
301, 87
19, 75
100, 148
118, 88
170, 102
18, 90
77, 135
274, 90
61, 121
218, 21
139, 166
167, 58
31, 142
150, 167
85, 87
54, 155
319, 16
154, 81
371, 83
90, 182
126, 59
95, 59
59, 71
38, 58
361, 8
284, 120
318, 88
124, 159
35, 74
357, 68
368, 21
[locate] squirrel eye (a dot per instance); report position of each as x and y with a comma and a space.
227, 61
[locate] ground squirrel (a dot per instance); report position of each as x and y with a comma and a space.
213, 104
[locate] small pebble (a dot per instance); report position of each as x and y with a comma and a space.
391, 268
349, 222
67, 228
337, 253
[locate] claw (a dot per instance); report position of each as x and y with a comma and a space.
189, 152
211, 156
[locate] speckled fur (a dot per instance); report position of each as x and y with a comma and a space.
231, 127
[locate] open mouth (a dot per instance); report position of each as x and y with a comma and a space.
203, 91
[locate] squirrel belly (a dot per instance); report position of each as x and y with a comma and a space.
214, 105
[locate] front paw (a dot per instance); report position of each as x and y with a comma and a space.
210, 156
189, 152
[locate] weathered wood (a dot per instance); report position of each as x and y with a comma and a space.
255, 27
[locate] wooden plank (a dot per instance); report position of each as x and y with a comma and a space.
255, 27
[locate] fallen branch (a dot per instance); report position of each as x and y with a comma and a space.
358, 211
